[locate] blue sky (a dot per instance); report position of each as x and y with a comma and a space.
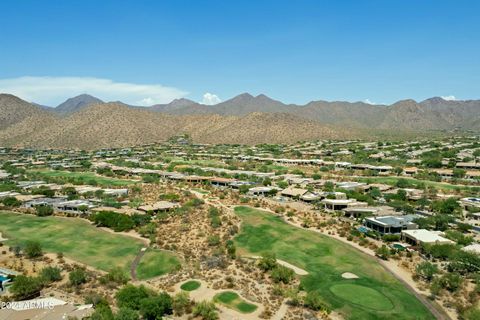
293, 51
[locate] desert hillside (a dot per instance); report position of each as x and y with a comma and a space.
115, 125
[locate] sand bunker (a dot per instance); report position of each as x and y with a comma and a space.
349, 275
295, 269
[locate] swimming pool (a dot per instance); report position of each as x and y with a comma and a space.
2, 278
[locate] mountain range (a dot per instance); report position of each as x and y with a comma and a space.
88, 122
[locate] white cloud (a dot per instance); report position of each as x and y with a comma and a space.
54, 90
367, 101
448, 98
210, 98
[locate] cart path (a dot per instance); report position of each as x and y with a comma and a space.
135, 262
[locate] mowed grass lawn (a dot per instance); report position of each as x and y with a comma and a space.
375, 295
156, 263
85, 177
233, 301
416, 182
190, 285
79, 240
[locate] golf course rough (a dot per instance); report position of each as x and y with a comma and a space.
376, 294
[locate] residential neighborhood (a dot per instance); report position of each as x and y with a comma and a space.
375, 205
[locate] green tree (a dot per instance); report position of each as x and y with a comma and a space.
116, 276
155, 307
11, 202
402, 183
25, 287
130, 296
268, 261
328, 186
206, 310
375, 193
383, 252
50, 274
282, 274
459, 237
77, 277
313, 300
440, 251
243, 189
33, 249
231, 249
102, 312
464, 262
448, 206
267, 182
451, 281
426, 270
181, 303
127, 314
43, 211
398, 170
459, 173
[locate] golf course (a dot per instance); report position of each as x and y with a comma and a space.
82, 177
376, 294
77, 239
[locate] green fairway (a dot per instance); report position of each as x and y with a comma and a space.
415, 182
233, 301
79, 240
363, 296
190, 285
376, 294
156, 263
82, 178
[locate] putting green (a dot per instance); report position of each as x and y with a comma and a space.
190, 285
233, 301
366, 297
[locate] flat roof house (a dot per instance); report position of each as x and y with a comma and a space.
260, 191
339, 204
311, 196
359, 212
423, 236
116, 192
353, 185
160, 206
409, 171
4, 174
391, 224
471, 202
43, 202
195, 178
293, 192
74, 206
221, 182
